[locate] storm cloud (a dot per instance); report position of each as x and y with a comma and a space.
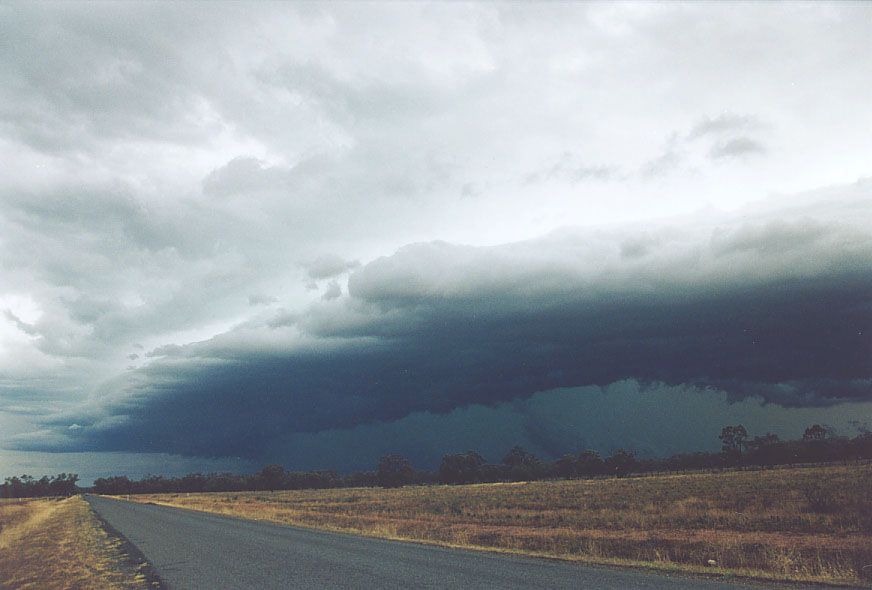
777, 308
250, 230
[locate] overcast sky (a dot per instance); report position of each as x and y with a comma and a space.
316, 233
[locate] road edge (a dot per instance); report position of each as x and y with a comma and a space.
133, 556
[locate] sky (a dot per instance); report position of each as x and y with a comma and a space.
313, 234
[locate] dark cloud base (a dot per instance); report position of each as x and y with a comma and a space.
650, 419
796, 342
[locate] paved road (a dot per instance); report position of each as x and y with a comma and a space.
193, 551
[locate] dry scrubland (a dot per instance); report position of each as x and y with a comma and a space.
812, 524
51, 544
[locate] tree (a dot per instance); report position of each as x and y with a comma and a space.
115, 485
394, 471
766, 449
820, 443
620, 463
734, 441
566, 467
522, 465
816, 432
461, 468
518, 456
63, 484
861, 445
698, 460
41, 487
589, 463
271, 477
360, 479
14, 487
766, 440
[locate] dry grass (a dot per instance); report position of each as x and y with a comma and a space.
809, 524
51, 544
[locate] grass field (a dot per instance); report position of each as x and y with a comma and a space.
811, 524
49, 544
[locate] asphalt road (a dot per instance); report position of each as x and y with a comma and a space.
192, 551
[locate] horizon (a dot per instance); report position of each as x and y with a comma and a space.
819, 445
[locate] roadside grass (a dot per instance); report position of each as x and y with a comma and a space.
810, 524
48, 544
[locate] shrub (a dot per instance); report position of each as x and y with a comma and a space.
820, 499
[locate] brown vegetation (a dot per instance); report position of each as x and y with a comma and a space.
811, 524
52, 543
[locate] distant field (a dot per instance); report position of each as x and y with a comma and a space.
49, 544
812, 524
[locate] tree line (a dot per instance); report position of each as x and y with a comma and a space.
818, 444
26, 486
738, 448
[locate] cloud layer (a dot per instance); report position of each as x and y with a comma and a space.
777, 307
225, 229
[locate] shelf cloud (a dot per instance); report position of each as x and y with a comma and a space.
775, 308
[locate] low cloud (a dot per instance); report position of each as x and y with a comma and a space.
736, 147
334, 291
666, 162
328, 266
28, 329
240, 175
568, 168
774, 307
723, 123
728, 135
261, 299
165, 350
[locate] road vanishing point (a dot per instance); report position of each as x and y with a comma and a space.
200, 551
